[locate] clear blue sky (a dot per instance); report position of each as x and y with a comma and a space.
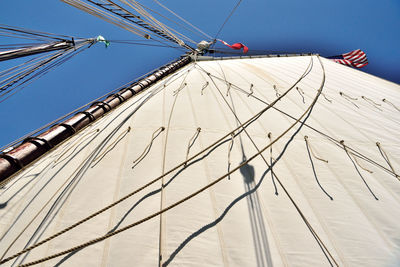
325, 27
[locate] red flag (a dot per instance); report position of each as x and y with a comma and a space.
236, 46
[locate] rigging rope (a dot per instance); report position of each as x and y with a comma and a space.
313, 167
327, 99
251, 90
204, 87
226, 20
27, 73
386, 158
245, 124
183, 26
23, 33
276, 91
148, 147
123, 87
317, 238
191, 141
187, 22
105, 151
110, 234
387, 101
312, 152
349, 98
354, 152
365, 182
372, 102
301, 93
77, 170
271, 159
142, 25
229, 153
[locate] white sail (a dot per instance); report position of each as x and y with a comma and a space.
348, 208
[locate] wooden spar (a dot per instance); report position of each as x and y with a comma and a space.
33, 50
34, 147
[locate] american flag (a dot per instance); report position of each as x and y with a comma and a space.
356, 59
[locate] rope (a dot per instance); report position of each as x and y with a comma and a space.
251, 90
191, 142
371, 102
321, 244
76, 170
276, 91
161, 15
160, 27
106, 150
245, 124
148, 147
312, 152
130, 83
348, 154
143, 25
204, 86
229, 88
354, 152
387, 101
327, 99
174, 93
349, 98
270, 160
43, 207
73, 176
29, 73
187, 22
70, 147
161, 239
359, 164
96, 240
226, 20
25, 33
229, 153
110, 18
301, 93
386, 158
313, 167
135, 42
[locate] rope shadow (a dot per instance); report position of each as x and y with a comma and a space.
147, 151
111, 148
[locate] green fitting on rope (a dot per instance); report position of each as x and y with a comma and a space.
101, 39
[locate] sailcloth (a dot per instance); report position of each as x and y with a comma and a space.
191, 157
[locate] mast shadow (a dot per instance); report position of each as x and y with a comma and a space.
220, 218
259, 233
